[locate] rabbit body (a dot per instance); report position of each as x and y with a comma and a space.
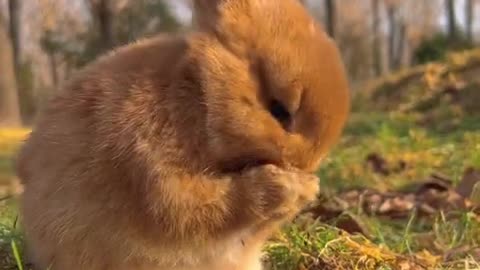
185, 152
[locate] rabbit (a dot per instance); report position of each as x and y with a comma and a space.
185, 151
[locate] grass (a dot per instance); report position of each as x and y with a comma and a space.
439, 242
10, 236
405, 119
398, 138
392, 244
9, 141
313, 245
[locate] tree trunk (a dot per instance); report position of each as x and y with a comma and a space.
392, 32
400, 45
105, 20
24, 88
9, 106
376, 48
451, 20
52, 60
330, 17
14, 7
102, 14
469, 13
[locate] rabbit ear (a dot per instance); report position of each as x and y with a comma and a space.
215, 14
206, 13
229, 20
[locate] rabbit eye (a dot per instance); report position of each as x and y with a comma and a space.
280, 113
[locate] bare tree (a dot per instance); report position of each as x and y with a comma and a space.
376, 48
53, 62
14, 7
469, 17
397, 30
451, 19
330, 11
399, 44
354, 38
103, 15
392, 32
9, 106
24, 90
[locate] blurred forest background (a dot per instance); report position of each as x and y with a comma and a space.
42, 42
402, 188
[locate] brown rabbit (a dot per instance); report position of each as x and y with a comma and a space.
185, 152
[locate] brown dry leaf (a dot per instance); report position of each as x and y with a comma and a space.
436, 182
402, 204
430, 197
427, 209
475, 253
351, 195
460, 252
428, 258
352, 224
470, 178
406, 265
456, 200
438, 194
373, 203
427, 241
378, 164
374, 198
386, 207
325, 211
475, 196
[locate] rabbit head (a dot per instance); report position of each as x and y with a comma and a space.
274, 83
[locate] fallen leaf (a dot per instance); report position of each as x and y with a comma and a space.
475, 196
435, 182
378, 164
470, 178
325, 212
352, 224
428, 258
460, 252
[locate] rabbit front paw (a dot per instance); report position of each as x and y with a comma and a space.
281, 193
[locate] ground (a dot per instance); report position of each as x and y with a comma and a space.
404, 182
401, 190
403, 237
10, 236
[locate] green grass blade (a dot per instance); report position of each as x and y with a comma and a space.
16, 254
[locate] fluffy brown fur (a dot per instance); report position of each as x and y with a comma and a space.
185, 152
